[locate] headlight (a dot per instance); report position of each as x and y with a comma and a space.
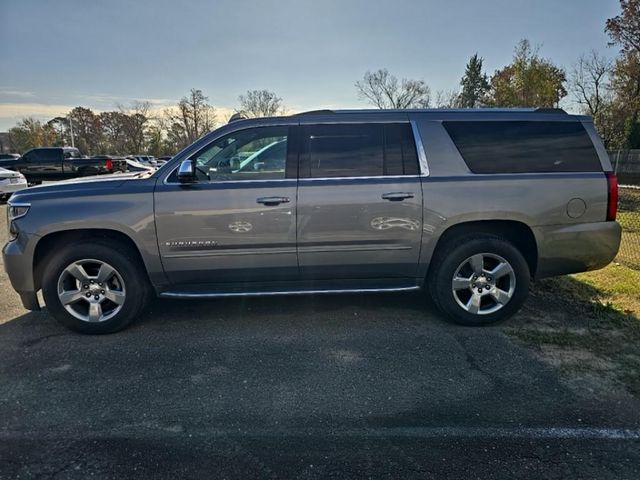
18, 210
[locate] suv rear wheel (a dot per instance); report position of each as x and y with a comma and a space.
94, 288
479, 280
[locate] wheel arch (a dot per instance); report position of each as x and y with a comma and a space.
47, 245
516, 232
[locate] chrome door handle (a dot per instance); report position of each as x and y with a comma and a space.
272, 201
396, 196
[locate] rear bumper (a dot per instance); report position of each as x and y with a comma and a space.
8, 188
566, 249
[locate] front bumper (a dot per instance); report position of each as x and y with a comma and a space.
18, 263
564, 249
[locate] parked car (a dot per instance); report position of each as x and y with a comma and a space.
134, 166
10, 182
149, 160
468, 205
58, 163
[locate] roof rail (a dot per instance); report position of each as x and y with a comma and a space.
549, 110
315, 112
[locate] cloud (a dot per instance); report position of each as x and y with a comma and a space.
32, 109
107, 98
16, 93
11, 113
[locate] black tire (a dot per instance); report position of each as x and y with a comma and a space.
126, 263
449, 258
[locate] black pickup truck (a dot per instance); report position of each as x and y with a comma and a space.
58, 163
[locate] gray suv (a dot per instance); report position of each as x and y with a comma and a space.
469, 205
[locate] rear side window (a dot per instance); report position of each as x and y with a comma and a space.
358, 150
524, 147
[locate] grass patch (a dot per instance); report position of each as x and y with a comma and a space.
592, 315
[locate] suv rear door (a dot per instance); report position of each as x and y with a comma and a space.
359, 201
238, 226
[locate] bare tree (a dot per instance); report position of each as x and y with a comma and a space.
193, 116
383, 90
589, 81
260, 103
447, 99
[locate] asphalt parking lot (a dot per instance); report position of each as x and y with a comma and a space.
306, 387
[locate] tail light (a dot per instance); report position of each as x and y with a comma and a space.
612, 197
109, 164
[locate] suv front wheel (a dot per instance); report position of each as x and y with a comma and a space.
479, 280
94, 288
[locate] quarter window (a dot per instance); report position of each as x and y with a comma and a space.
524, 147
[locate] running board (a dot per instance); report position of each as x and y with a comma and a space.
283, 292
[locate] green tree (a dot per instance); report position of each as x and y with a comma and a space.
475, 84
113, 133
135, 122
624, 31
529, 81
631, 133
383, 90
31, 133
87, 130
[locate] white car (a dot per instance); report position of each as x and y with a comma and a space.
10, 182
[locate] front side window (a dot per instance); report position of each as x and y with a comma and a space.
252, 154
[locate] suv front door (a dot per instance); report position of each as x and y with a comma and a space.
359, 202
237, 223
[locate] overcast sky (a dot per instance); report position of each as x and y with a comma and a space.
59, 54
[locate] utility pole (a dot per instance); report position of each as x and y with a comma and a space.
71, 129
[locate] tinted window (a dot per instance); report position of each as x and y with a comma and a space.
524, 147
358, 150
49, 155
71, 153
400, 157
344, 150
251, 154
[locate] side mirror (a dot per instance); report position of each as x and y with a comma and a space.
186, 172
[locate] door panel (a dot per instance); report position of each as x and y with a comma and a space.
347, 230
359, 201
217, 233
237, 223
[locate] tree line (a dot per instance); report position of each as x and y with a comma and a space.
608, 90
137, 128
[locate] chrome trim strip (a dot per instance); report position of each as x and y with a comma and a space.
422, 156
307, 179
234, 181
302, 179
351, 248
283, 292
220, 253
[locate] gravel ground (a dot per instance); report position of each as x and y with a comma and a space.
374, 386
